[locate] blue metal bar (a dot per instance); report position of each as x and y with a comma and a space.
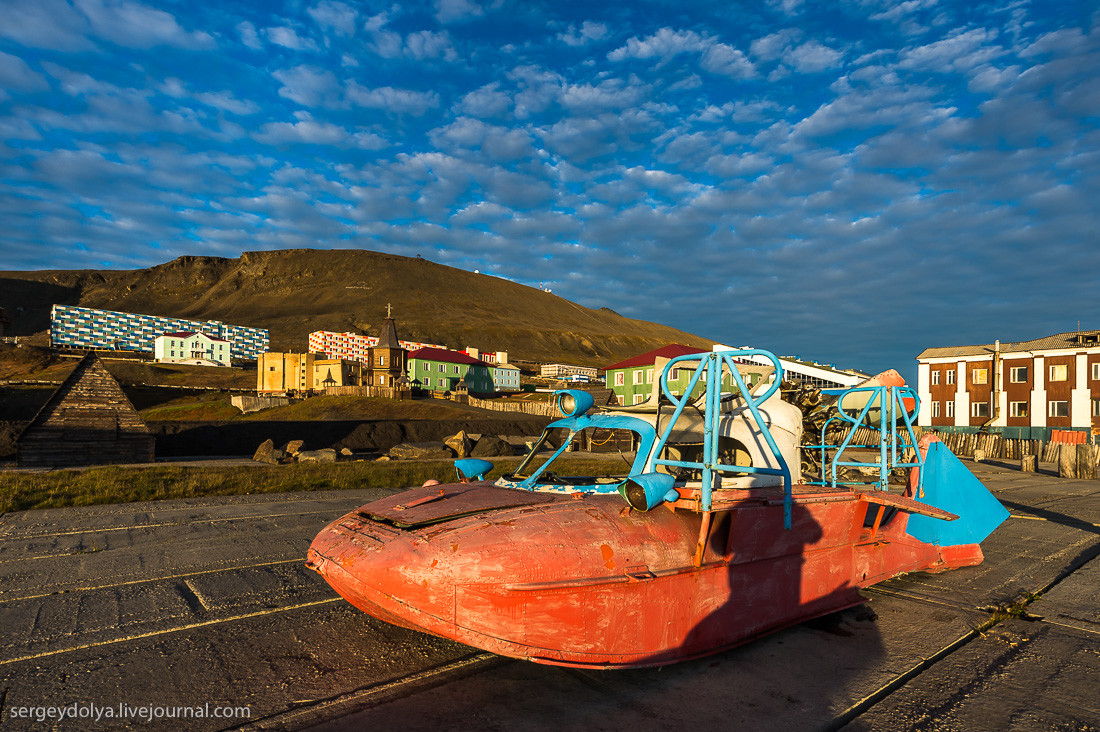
713, 364
891, 407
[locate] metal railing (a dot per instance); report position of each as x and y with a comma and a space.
712, 364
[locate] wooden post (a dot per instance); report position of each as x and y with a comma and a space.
1086, 463
1029, 463
1067, 461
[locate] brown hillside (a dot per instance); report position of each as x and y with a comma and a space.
296, 291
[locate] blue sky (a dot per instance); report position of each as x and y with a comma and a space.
849, 181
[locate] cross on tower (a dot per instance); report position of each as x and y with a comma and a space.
388, 309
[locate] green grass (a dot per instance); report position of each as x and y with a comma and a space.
112, 484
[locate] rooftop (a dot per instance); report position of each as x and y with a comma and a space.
1073, 339
672, 350
441, 354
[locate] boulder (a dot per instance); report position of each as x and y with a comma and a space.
293, 447
460, 443
421, 451
327, 455
265, 453
346, 452
492, 446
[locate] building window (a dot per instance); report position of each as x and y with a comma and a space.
381, 379
950, 406
950, 378
638, 375
936, 379
649, 376
442, 368
381, 360
979, 409
638, 398
456, 369
979, 376
1017, 409
674, 375
620, 378
1059, 372
1096, 371
935, 409
1096, 407
1058, 409
1018, 375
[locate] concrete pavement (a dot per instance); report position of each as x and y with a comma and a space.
206, 602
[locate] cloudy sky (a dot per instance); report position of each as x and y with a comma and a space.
849, 181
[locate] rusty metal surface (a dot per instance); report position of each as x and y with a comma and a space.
588, 582
906, 504
422, 506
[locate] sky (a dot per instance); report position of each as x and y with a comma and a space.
849, 182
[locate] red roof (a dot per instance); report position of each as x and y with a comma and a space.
441, 354
672, 350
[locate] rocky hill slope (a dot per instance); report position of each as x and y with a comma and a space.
296, 291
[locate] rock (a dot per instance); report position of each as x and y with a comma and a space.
346, 452
492, 446
979, 455
265, 453
293, 447
327, 455
421, 451
460, 443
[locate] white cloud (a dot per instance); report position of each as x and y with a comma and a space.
961, 51
664, 44
287, 37
334, 16
396, 101
310, 131
52, 24
248, 35
813, 57
135, 25
17, 76
588, 32
309, 86
488, 101
450, 11
726, 60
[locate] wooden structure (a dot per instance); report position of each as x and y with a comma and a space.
87, 421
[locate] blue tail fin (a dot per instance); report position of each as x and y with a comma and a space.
949, 485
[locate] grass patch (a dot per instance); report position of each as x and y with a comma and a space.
114, 484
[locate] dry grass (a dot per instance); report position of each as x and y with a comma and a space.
20, 491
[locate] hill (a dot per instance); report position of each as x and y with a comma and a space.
293, 292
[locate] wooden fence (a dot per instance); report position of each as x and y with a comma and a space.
963, 444
537, 409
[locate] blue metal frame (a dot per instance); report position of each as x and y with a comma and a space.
711, 364
892, 408
644, 430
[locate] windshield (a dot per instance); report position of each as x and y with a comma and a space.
604, 455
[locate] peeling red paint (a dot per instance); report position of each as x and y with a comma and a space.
552, 583
608, 556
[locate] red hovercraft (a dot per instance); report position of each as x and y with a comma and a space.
707, 541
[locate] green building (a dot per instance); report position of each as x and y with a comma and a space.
440, 370
632, 380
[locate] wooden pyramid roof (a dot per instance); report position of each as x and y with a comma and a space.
87, 420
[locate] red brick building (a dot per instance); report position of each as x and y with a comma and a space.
1051, 382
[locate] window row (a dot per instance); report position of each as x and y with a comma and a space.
1016, 374
1055, 408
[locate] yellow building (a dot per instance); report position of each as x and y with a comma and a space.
280, 373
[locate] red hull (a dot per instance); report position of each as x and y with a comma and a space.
589, 582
